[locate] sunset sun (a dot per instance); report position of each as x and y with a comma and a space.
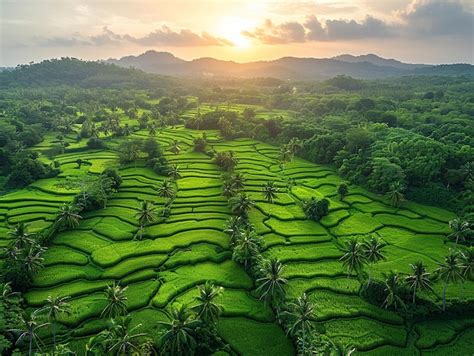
231, 29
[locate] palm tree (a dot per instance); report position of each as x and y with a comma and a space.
269, 191
234, 228
21, 235
228, 189
68, 216
393, 287
460, 230
174, 172
175, 147
33, 261
179, 337
238, 180
146, 213
450, 271
55, 306
165, 190
29, 330
152, 128
373, 252
467, 262
418, 279
354, 257
285, 156
116, 301
247, 248
207, 310
395, 194
122, 339
272, 284
241, 204
301, 314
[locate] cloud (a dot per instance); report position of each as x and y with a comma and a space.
269, 33
426, 18
438, 18
163, 36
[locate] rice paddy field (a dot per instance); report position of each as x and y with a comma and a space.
191, 247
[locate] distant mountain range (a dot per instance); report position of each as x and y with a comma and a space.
367, 66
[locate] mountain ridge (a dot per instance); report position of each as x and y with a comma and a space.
369, 66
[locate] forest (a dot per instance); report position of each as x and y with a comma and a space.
148, 214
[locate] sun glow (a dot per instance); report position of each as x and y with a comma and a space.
231, 29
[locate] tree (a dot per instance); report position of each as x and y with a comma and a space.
79, 162
146, 214
175, 147
393, 289
272, 284
206, 308
241, 204
179, 337
461, 230
316, 209
152, 128
301, 314
174, 172
395, 194
165, 189
29, 330
200, 144
467, 262
237, 180
234, 227
342, 190
68, 216
450, 271
129, 151
123, 340
55, 306
354, 257
373, 251
33, 260
226, 160
247, 248
269, 191
116, 301
418, 279
22, 238
228, 189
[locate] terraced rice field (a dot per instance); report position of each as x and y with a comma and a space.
190, 247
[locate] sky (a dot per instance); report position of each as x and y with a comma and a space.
414, 31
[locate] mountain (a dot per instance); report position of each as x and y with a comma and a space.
364, 67
378, 61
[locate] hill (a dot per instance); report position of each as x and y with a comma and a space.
362, 67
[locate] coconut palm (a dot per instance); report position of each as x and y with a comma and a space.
122, 339
450, 271
21, 235
152, 128
393, 288
29, 331
165, 189
460, 230
33, 260
206, 309
247, 248
272, 284
179, 336
238, 180
269, 191
285, 155
146, 213
354, 257
175, 147
234, 228
116, 301
373, 251
418, 279
241, 204
174, 172
55, 306
301, 314
467, 261
395, 194
228, 189
68, 216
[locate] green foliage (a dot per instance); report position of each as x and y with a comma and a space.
316, 209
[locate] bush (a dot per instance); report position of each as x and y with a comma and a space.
94, 143
316, 209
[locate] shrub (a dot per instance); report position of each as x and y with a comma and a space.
316, 209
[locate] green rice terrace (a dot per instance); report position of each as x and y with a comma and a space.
190, 246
